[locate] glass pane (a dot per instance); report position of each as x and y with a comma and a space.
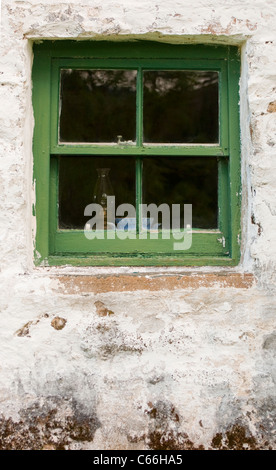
98, 105
181, 107
183, 181
79, 179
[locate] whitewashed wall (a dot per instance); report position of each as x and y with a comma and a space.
185, 367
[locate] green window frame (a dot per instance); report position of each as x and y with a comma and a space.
54, 246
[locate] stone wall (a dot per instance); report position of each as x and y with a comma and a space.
144, 358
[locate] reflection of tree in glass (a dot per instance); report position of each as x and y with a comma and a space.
183, 181
97, 105
180, 106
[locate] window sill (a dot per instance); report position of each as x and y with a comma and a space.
94, 280
132, 282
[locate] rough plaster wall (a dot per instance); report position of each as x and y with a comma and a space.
179, 368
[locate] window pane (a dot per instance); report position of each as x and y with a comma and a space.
98, 105
77, 185
181, 107
183, 181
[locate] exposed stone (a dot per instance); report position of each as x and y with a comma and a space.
58, 323
101, 309
272, 107
25, 330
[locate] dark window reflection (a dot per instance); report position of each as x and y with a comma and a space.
77, 183
180, 107
183, 181
98, 105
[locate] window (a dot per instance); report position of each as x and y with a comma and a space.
157, 126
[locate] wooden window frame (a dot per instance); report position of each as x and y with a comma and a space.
58, 247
